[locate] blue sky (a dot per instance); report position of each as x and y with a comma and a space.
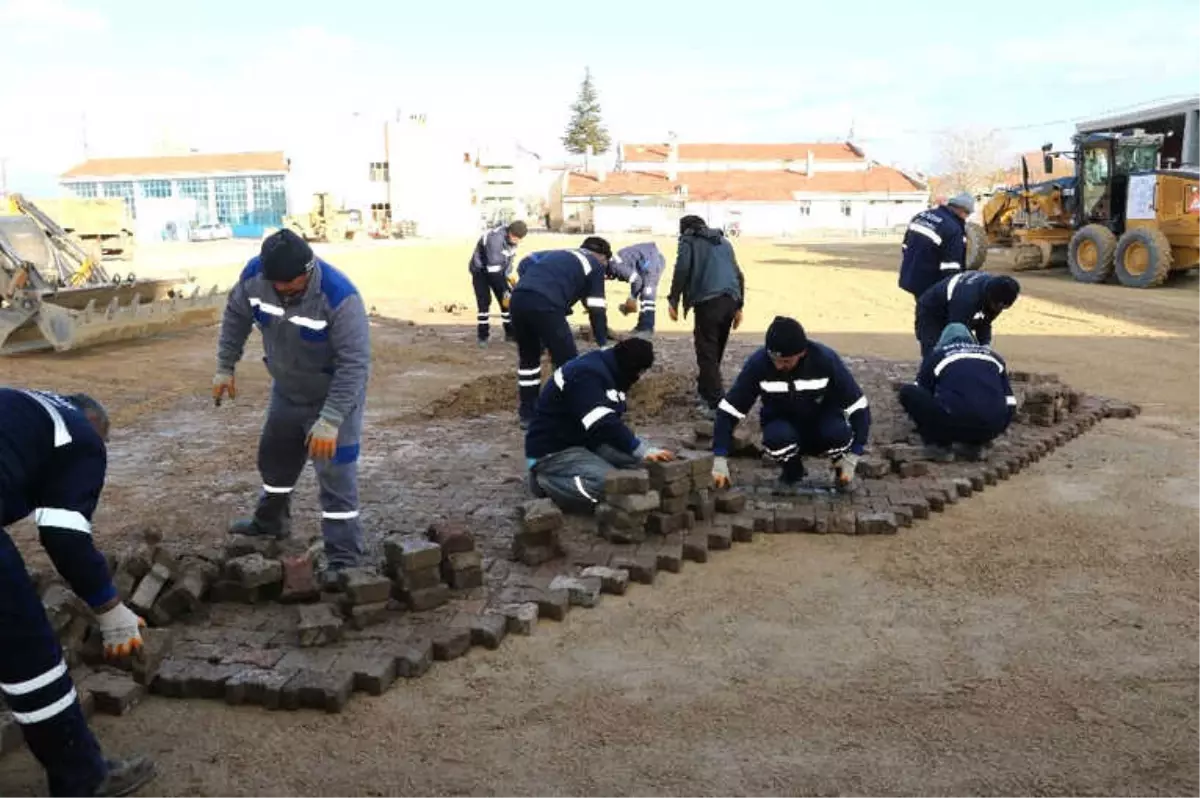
265, 74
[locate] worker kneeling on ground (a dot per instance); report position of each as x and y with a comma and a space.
973, 299
811, 405
549, 284
962, 399
640, 265
935, 244
52, 464
318, 352
577, 435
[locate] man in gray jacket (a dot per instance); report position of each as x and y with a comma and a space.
318, 352
709, 280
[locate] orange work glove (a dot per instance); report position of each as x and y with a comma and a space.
222, 385
628, 306
720, 473
322, 440
737, 320
673, 312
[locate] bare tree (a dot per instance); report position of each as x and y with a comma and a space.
971, 159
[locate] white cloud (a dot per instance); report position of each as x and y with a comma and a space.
46, 17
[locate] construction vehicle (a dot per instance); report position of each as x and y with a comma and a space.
324, 222
1121, 213
53, 294
102, 224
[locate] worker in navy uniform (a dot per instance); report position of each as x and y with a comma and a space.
811, 406
935, 244
52, 465
962, 399
640, 265
974, 299
549, 283
491, 275
577, 435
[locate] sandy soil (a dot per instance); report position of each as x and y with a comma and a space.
1038, 639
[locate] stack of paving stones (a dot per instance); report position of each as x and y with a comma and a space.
537, 539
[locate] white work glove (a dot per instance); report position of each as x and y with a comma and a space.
223, 384
720, 472
120, 629
846, 464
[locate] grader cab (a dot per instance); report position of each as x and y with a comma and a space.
54, 295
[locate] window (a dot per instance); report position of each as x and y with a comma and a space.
270, 200
805, 207
231, 200
124, 190
196, 190
156, 189
83, 189
846, 208
380, 172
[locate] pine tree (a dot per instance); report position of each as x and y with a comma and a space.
585, 126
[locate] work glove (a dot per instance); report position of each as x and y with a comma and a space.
512, 281
845, 466
656, 455
737, 320
505, 300
673, 312
120, 629
628, 306
223, 384
322, 440
720, 473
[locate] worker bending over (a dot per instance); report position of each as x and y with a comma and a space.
491, 274
974, 299
935, 244
811, 405
52, 464
962, 399
549, 284
318, 352
640, 265
577, 434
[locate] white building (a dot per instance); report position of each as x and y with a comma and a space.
768, 189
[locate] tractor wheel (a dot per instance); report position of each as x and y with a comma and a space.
1144, 258
1090, 253
1029, 257
977, 247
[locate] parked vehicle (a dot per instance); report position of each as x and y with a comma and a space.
210, 232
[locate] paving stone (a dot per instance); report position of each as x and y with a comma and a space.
416, 580
668, 553
206, 680
373, 673
703, 430
253, 656
612, 580
913, 468
327, 690
626, 481
147, 591
364, 586
522, 616
115, 693
764, 520
488, 630
702, 504
536, 555
730, 501
156, 646
360, 616
227, 591
450, 642
873, 468
661, 473
903, 513
1002, 471
797, 519
742, 529
249, 686
451, 536
317, 625
617, 518
695, 546
720, 538
427, 598
622, 536
241, 545
641, 566
171, 678
679, 487
581, 591
701, 466
539, 515
299, 579
413, 658
674, 504
978, 482
466, 579
636, 503
253, 570
411, 552
664, 523
877, 523
186, 596
962, 487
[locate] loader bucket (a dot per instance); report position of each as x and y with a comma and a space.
77, 318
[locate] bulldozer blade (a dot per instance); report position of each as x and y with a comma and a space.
63, 327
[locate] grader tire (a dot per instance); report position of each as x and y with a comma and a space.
1090, 253
1143, 258
977, 247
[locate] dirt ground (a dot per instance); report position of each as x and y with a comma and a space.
1040, 638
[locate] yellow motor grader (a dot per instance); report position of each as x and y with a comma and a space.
1121, 213
53, 294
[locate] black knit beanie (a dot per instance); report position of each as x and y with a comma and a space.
634, 356
598, 245
1002, 291
285, 256
785, 337
689, 223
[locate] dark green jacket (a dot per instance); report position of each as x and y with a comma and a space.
705, 268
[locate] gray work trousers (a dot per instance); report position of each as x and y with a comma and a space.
282, 453
574, 478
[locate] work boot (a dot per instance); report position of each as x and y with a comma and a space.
272, 518
126, 775
706, 411
938, 454
970, 452
481, 343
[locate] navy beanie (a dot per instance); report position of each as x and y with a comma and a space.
285, 256
598, 245
785, 337
634, 356
1003, 291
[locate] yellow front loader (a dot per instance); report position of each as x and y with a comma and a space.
54, 295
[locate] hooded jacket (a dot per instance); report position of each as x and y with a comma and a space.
581, 405
705, 268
